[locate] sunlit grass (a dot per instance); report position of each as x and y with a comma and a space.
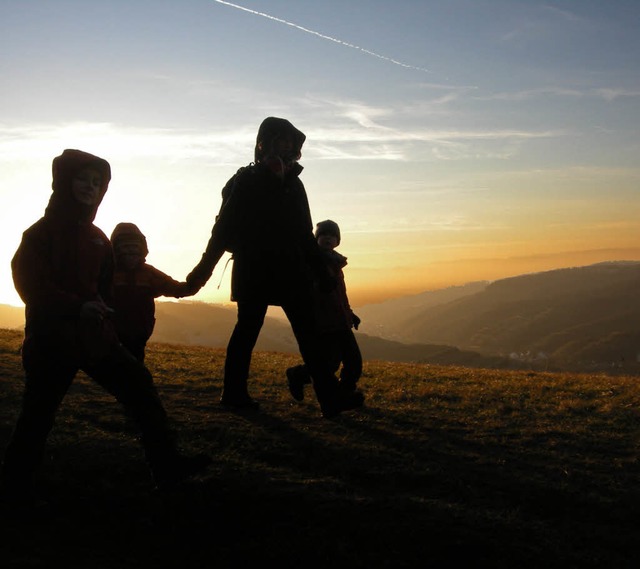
443, 465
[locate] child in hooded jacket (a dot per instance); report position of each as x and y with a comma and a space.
334, 319
63, 271
136, 285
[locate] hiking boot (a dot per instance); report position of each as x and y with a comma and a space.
344, 402
244, 403
180, 469
295, 383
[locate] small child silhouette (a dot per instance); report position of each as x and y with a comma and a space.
136, 285
334, 319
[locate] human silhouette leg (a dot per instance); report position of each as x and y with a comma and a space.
322, 370
351, 361
131, 383
245, 334
46, 383
299, 376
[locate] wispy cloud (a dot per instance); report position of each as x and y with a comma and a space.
364, 115
528, 94
359, 138
437, 223
430, 107
44, 140
565, 16
607, 93
542, 21
324, 36
610, 94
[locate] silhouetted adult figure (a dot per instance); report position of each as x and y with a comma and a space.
266, 224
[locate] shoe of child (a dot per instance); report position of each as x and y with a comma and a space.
244, 403
296, 384
344, 402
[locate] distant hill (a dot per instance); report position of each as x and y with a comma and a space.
204, 324
11, 316
211, 325
198, 323
374, 348
575, 317
580, 318
387, 319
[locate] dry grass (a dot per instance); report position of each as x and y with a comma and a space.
444, 466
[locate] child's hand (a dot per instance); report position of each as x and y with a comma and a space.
193, 286
95, 310
356, 320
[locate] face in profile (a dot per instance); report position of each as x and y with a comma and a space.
85, 186
327, 241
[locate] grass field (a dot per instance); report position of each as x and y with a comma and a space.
444, 467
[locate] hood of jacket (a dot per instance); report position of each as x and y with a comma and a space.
62, 204
273, 128
129, 233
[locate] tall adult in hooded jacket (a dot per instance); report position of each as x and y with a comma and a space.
266, 224
63, 272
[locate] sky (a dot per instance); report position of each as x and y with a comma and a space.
451, 141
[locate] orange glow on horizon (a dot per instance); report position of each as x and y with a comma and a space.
374, 286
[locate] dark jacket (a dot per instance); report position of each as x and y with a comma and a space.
134, 294
64, 261
135, 289
266, 224
333, 312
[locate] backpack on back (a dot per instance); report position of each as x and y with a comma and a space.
228, 188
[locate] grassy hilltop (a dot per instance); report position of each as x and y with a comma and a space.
444, 466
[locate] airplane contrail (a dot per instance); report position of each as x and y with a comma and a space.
323, 36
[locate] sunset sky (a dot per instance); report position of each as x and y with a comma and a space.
452, 141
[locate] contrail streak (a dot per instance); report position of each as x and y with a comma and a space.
324, 37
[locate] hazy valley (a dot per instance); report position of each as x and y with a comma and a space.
583, 318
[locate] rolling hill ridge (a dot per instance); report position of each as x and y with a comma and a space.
581, 318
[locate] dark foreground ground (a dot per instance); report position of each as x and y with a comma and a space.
444, 467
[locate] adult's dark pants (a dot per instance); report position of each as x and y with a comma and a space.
251, 316
47, 379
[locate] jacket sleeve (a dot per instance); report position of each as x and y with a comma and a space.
221, 239
164, 285
202, 272
32, 272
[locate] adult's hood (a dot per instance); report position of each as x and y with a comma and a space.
128, 233
62, 204
273, 128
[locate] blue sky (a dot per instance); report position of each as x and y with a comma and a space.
452, 141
